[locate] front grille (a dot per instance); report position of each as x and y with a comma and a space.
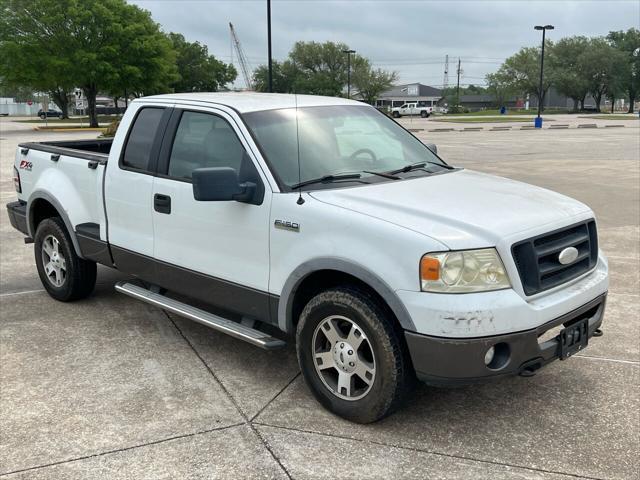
537, 258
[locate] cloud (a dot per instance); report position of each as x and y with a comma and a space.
411, 37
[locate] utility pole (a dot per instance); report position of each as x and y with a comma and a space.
348, 52
458, 86
538, 121
445, 80
269, 45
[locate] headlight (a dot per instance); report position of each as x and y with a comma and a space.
463, 272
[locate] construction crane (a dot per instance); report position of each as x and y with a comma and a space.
244, 65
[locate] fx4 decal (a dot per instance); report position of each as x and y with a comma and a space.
26, 165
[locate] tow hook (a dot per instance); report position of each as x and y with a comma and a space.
530, 368
598, 333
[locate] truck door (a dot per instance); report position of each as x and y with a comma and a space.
129, 183
216, 251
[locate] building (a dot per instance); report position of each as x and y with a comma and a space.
486, 101
412, 92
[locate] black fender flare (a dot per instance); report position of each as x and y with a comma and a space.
287, 296
42, 195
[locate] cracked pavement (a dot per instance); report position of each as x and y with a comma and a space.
109, 387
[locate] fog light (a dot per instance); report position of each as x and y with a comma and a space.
488, 357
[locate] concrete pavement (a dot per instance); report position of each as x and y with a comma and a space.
112, 388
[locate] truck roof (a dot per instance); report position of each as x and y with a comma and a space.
253, 101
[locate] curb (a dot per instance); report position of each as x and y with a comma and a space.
512, 128
70, 129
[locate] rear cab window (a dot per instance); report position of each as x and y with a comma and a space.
142, 143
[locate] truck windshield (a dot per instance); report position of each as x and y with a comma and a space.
335, 140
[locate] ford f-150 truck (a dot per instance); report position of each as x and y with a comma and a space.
324, 219
411, 109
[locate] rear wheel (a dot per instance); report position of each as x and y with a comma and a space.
63, 274
424, 114
352, 356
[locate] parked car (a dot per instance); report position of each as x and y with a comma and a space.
412, 109
326, 220
49, 113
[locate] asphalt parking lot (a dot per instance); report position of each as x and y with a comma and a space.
112, 388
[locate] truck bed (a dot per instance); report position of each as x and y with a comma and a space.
67, 174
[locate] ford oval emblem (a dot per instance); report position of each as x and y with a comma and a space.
568, 255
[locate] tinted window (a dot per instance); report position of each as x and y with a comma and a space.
137, 152
332, 140
204, 140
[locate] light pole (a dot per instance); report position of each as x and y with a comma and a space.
538, 122
348, 52
269, 45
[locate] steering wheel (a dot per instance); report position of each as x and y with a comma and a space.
368, 151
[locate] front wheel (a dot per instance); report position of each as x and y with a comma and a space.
352, 356
64, 275
395, 115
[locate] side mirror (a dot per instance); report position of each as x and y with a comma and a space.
432, 147
219, 185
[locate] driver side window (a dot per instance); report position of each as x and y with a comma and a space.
204, 140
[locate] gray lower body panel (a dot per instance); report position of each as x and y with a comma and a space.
450, 361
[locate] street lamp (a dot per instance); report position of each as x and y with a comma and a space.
270, 81
538, 122
348, 52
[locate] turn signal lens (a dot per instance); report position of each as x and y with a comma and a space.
463, 271
429, 268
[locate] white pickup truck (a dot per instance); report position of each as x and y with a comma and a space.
411, 109
322, 221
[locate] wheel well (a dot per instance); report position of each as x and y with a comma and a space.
40, 211
321, 280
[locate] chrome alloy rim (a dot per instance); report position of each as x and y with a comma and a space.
343, 357
55, 265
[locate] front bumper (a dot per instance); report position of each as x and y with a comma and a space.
17, 212
448, 361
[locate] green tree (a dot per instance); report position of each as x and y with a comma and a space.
524, 70
569, 77
321, 69
98, 45
601, 65
284, 77
368, 82
629, 70
198, 71
33, 57
501, 87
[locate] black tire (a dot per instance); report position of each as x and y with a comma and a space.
394, 374
43, 116
79, 275
424, 114
395, 115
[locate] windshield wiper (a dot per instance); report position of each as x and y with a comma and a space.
383, 174
327, 179
416, 166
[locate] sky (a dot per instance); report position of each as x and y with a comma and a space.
410, 37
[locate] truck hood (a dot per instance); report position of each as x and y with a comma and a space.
460, 209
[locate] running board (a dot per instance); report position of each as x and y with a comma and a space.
237, 330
